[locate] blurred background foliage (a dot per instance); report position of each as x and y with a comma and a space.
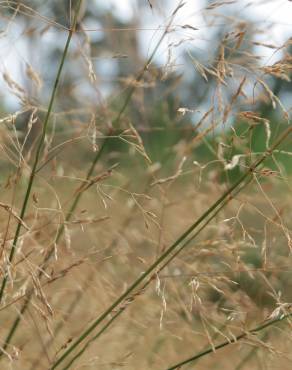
114, 55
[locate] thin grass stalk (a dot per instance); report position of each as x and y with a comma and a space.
232, 340
89, 174
154, 275
172, 248
16, 322
38, 152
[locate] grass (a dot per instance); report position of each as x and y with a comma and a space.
113, 253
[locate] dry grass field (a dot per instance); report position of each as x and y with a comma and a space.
139, 232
